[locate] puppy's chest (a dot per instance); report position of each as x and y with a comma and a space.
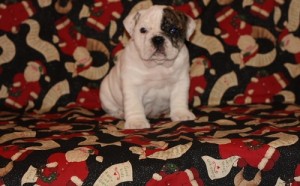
157, 92
158, 89
159, 84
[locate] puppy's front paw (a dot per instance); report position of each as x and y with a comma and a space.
182, 115
137, 123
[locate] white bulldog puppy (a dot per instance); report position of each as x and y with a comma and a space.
151, 76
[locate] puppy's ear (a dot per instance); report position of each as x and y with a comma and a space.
130, 22
191, 25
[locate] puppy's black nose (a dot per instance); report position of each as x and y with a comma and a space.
158, 41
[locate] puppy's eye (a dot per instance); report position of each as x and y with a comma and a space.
174, 31
143, 30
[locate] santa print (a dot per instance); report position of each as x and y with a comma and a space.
73, 43
25, 87
251, 152
102, 12
69, 37
232, 26
262, 89
68, 168
235, 31
14, 14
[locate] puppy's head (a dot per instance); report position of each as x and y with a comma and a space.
159, 32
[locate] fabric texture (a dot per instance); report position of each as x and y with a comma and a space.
241, 52
245, 77
229, 145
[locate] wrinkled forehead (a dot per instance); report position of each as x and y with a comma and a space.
164, 18
151, 16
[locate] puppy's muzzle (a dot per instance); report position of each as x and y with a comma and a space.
158, 41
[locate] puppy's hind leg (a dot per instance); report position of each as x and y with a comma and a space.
111, 108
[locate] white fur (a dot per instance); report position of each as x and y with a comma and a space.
145, 83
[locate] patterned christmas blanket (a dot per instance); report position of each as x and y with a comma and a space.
229, 145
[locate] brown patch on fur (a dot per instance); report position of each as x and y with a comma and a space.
174, 25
